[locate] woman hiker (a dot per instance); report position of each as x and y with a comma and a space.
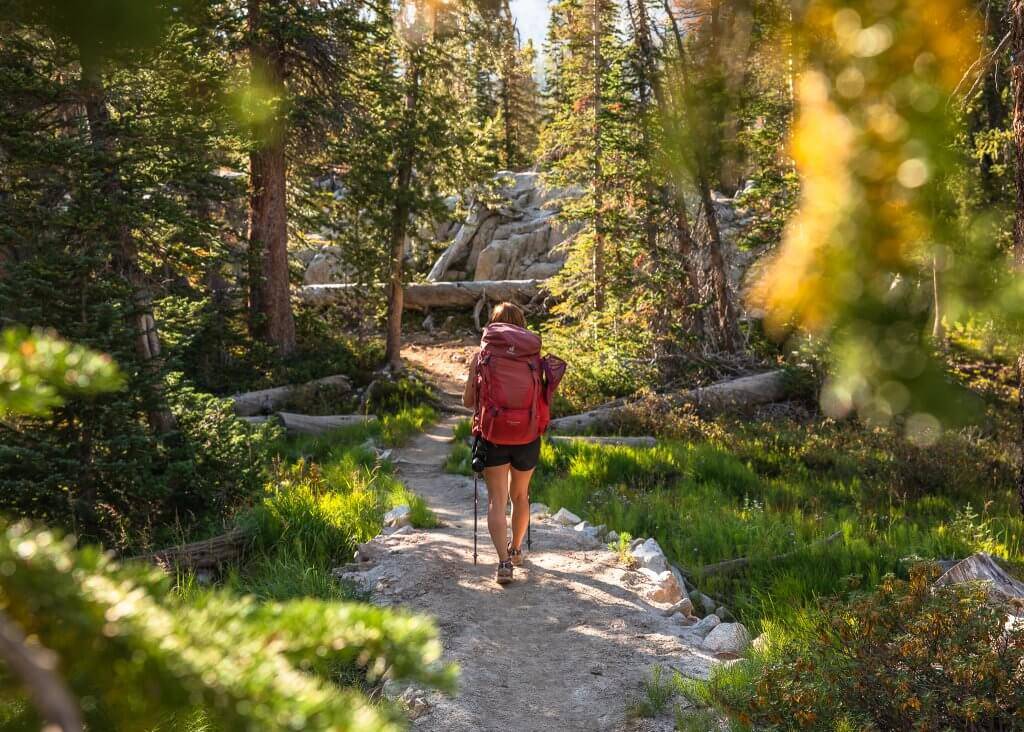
506, 388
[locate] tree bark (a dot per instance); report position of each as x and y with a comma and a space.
597, 28
126, 251
982, 568
400, 220
1017, 81
270, 308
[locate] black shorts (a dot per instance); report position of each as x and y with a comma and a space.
522, 457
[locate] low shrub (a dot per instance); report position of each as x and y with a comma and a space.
95, 469
907, 656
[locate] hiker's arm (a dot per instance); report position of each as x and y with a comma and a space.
469, 394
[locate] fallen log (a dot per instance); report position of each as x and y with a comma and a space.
746, 391
205, 554
426, 295
731, 565
305, 424
981, 567
308, 424
646, 441
265, 401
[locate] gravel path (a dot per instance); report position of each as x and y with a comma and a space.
564, 647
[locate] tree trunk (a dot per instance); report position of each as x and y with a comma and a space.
1017, 81
126, 252
938, 328
598, 259
270, 307
400, 221
725, 313
682, 234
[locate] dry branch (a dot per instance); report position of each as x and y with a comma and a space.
645, 441
731, 565
746, 391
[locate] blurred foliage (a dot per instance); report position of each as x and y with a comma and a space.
872, 147
38, 370
140, 654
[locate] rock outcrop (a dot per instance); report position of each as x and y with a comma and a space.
515, 237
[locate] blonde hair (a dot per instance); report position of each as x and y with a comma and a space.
508, 312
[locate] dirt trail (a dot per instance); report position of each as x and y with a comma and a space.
562, 648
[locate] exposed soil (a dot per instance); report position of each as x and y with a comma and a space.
564, 647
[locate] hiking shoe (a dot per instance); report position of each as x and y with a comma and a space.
515, 555
504, 573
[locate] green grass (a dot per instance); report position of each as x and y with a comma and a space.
326, 494
760, 491
460, 459
658, 690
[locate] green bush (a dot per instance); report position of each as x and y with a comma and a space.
907, 656
94, 468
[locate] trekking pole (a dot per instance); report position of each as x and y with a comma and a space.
476, 508
529, 524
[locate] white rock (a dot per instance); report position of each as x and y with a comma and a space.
681, 580
398, 516
635, 543
565, 517
684, 607
539, 509
664, 588
585, 527
650, 555
370, 551
402, 531
702, 627
727, 638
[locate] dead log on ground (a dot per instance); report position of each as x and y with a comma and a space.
731, 565
427, 295
645, 441
265, 401
205, 554
304, 424
981, 567
746, 391
308, 424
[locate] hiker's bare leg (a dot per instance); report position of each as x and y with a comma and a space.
520, 493
496, 479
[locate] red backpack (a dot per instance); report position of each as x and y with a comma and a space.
512, 399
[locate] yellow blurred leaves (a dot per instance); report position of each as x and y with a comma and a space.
869, 136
